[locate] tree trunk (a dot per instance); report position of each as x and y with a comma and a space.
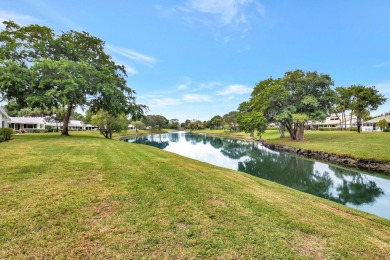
281, 130
65, 122
291, 131
300, 131
359, 123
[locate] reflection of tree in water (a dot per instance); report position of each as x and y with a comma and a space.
357, 191
174, 137
235, 149
287, 170
301, 175
152, 142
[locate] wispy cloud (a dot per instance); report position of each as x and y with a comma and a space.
383, 64
133, 55
185, 85
129, 69
20, 19
383, 87
163, 102
196, 98
235, 89
226, 11
236, 14
208, 85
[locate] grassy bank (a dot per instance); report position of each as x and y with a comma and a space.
88, 197
367, 145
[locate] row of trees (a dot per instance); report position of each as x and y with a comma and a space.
299, 97
59, 72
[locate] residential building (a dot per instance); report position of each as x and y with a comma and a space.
27, 123
371, 125
4, 118
335, 122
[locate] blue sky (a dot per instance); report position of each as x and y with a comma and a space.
193, 59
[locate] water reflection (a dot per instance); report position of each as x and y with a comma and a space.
345, 186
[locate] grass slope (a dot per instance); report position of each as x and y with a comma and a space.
87, 197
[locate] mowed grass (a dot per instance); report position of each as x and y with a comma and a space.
366, 145
88, 197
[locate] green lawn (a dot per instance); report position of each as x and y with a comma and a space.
88, 197
367, 145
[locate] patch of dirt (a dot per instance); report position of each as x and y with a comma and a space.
217, 201
308, 245
182, 226
342, 213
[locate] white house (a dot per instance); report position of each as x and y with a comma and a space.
4, 118
73, 125
371, 125
27, 123
335, 122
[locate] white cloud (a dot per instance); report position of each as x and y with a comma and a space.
163, 102
225, 12
133, 55
383, 87
185, 85
196, 98
20, 19
235, 89
208, 85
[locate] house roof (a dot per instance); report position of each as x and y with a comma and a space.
2, 111
377, 119
75, 123
27, 120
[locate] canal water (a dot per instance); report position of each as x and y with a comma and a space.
354, 188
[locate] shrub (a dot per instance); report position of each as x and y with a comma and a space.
49, 128
354, 128
329, 129
386, 130
6, 133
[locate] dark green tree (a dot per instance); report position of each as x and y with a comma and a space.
363, 101
39, 68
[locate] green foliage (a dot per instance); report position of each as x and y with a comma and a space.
49, 128
250, 122
6, 133
42, 69
363, 100
109, 124
387, 130
382, 124
329, 129
293, 100
156, 121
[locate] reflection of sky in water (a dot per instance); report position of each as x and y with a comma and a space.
205, 153
289, 170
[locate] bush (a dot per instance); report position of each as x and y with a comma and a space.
354, 129
36, 131
6, 133
329, 129
49, 128
387, 130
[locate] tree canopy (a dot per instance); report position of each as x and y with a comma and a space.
292, 101
39, 68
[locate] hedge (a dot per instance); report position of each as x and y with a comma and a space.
5, 134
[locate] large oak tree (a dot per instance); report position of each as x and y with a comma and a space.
39, 68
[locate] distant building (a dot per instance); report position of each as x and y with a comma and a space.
27, 123
371, 125
335, 122
4, 118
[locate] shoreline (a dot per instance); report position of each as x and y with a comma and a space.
344, 160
